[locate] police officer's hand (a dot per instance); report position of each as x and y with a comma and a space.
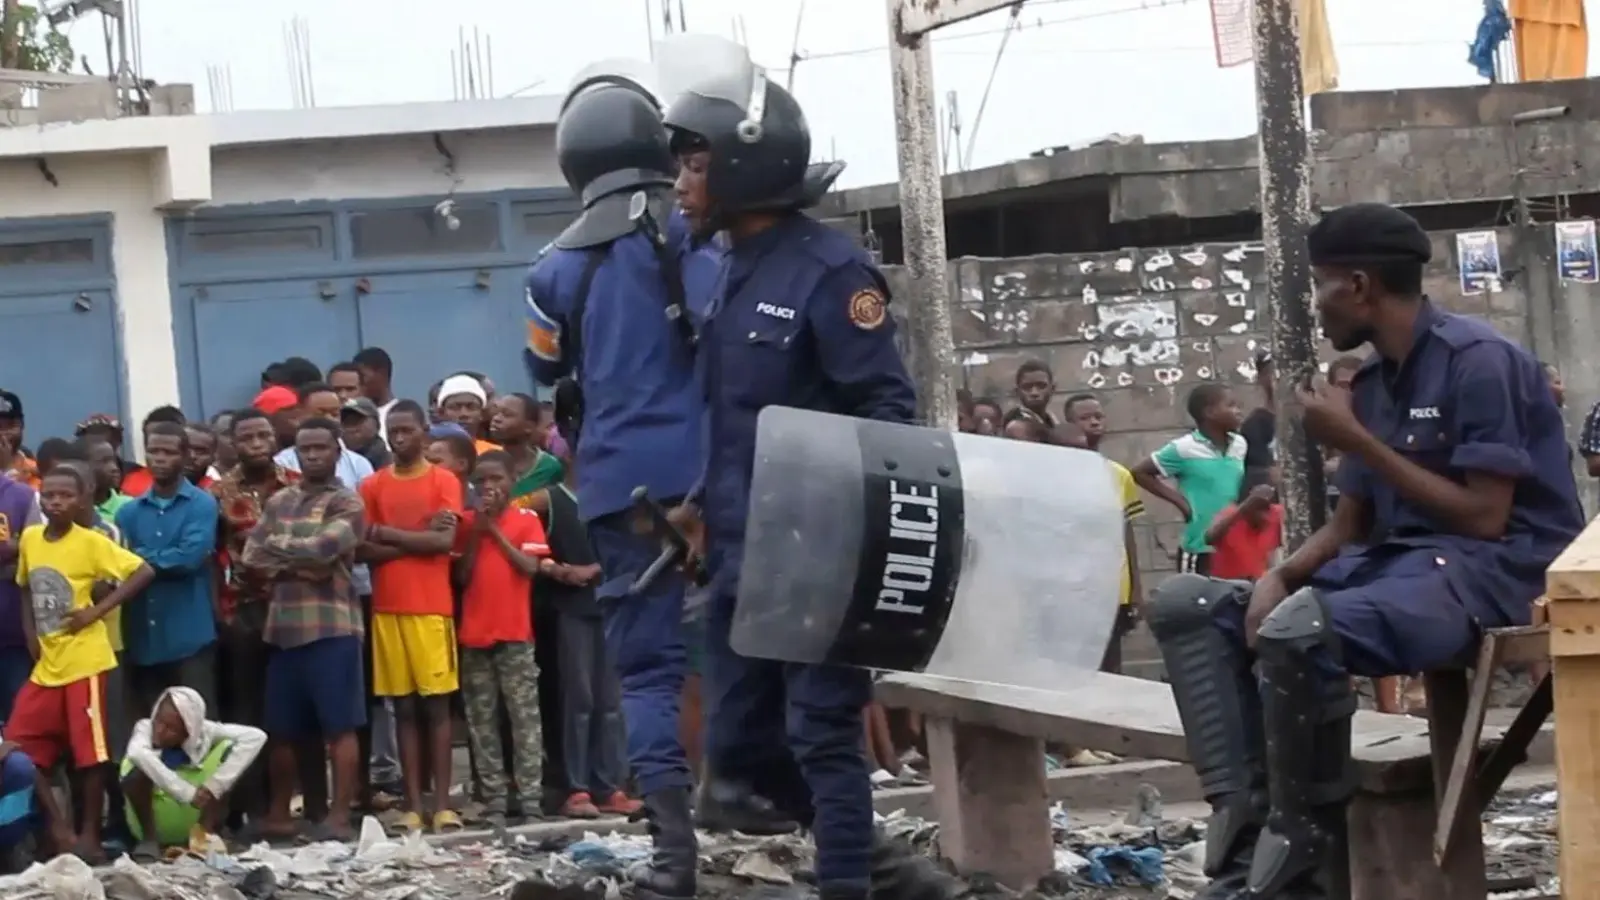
1269, 591
1329, 416
686, 518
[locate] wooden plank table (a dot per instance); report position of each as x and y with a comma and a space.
1572, 586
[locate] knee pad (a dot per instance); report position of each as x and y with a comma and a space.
1300, 626
1188, 603
1308, 705
1217, 701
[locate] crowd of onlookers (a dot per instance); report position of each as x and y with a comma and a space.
336, 580
328, 580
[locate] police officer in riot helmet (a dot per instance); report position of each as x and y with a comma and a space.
800, 319
609, 144
598, 320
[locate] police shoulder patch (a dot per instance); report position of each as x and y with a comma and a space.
544, 332
868, 309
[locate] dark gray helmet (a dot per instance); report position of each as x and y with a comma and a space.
610, 143
758, 138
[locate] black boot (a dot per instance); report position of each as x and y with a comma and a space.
676, 856
1302, 853
1220, 707
901, 873
729, 806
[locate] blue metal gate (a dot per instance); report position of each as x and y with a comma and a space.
59, 349
440, 294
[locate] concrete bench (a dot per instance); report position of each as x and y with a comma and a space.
986, 749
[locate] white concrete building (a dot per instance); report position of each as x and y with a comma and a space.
168, 259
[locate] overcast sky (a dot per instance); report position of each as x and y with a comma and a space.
1077, 70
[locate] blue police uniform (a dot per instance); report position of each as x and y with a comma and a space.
1416, 598
1273, 755
799, 320
611, 305
642, 426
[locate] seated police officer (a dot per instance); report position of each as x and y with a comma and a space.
800, 320
1454, 495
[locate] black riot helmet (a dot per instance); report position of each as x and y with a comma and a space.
757, 136
610, 143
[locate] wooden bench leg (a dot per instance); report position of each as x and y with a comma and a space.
1513, 748
994, 806
1455, 753
1391, 852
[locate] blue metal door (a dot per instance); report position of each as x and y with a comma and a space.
240, 329
438, 323
58, 353
58, 339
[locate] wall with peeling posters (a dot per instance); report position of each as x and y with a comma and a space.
1140, 327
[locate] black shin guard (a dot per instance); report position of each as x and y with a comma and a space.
1220, 707
1310, 773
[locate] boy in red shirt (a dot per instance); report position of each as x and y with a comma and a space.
503, 549
1245, 534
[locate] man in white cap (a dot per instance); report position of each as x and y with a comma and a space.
462, 399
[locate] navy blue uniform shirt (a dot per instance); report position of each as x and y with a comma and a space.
643, 412
1466, 399
800, 319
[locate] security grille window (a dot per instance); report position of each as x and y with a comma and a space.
423, 231
47, 253
244, 242
543, 227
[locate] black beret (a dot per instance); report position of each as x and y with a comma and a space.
1369, 234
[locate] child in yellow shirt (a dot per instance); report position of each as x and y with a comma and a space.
61, 710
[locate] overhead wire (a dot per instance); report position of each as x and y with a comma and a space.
983, 102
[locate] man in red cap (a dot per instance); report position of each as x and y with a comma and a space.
281, 404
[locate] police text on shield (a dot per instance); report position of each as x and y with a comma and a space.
913, 545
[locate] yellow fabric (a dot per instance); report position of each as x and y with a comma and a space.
1552, 39
413, 655
1319, 65
1132, 508
60, 575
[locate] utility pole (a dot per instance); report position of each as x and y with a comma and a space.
916, 124
1284, 156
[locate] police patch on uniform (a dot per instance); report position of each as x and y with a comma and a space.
544, 333
868, 309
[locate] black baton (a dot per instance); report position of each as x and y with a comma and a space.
675, 546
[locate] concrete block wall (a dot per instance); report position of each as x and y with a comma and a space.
1139, 328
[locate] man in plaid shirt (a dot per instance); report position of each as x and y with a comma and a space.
305, 544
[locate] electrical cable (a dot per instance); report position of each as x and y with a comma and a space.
983, 102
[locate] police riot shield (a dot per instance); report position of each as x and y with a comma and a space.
888, 546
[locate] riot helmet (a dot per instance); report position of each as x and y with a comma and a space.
610, 143
609, 138
757, 137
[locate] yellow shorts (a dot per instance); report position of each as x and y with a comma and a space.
413, 655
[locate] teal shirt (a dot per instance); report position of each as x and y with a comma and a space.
1208, 476
108, 509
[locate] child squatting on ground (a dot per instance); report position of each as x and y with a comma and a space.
179, 769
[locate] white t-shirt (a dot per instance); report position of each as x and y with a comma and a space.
383, 418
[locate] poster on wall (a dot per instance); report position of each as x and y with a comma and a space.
1575, 251
1478, 253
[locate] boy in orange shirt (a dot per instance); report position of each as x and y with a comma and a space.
1246, 534
413, 508
503, 549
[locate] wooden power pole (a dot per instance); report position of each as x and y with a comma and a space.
1284, 157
